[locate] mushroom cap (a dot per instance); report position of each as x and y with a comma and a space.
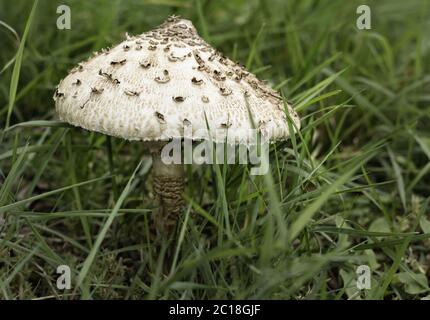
169, 83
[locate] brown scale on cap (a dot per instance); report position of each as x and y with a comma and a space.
58, 94
178, 99
174, 58
109, 77
118, 62
225, 91
97, 90
160, 117
219, 76
131, 93
145, 64
164, 79
196, 81
226, 125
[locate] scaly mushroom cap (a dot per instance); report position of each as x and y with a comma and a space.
169, 83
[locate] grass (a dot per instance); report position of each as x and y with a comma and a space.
351, 188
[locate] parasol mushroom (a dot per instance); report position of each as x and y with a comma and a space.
152, 86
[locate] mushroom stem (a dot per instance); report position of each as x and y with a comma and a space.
168, 184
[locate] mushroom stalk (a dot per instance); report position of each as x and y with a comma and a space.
168, 184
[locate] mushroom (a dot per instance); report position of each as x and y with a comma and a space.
189, 92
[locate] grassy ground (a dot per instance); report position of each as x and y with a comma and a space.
352, 188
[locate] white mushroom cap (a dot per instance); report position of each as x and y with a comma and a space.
156, 85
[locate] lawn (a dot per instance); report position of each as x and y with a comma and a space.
351, 189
